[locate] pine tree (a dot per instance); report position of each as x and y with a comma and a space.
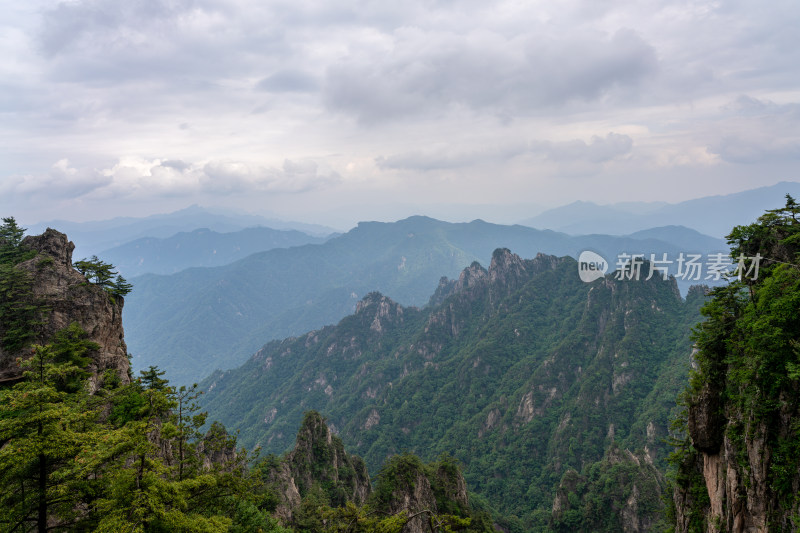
10, 241
121, 287
48, 433
97, 271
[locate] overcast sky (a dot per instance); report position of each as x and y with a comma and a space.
332, 112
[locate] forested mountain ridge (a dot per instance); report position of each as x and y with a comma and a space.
198, 320
521, 370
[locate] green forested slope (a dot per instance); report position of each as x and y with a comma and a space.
522, 372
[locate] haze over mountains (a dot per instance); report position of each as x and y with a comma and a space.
712, 215
217, 317
92, 238
199, 248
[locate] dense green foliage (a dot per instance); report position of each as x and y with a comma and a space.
65, 463
521, 377
745, 386
103, 274
333, 488
620, 487
121, 458
82, 452
20, 312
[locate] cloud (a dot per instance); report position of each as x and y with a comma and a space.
137, 178
292, 177
449, 158
755, 130
599, 150
752, 149
211, 96
62, 181
749, 106
421, 72
288, 80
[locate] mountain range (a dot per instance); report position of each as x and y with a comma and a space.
711, 215
195, 321
199, 248
92, 238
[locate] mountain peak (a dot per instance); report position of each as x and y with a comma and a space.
504, 261
68, 298
372, 299
53, 243
381, 308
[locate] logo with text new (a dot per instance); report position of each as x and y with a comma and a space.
591, 266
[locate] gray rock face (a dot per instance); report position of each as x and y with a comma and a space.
417, 499
318, 457
69, 297
741, 496
707, 420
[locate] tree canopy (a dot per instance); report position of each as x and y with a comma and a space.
103, 274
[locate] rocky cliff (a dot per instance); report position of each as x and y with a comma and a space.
423, 492
64, 296
738, 467
622, 492
318, 457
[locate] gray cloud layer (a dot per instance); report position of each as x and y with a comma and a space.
154, 99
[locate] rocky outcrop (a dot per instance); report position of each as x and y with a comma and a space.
509, 269
318, 457
423, 492
414, 495
622, 492
707, 420
382, 310
739, 468
738, 480
68, 297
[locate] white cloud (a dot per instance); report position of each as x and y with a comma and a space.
137, 178
62, 181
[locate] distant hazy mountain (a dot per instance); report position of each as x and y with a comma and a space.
693, 240
200, 319
199, 248
712, 215
91, 238
586, 217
